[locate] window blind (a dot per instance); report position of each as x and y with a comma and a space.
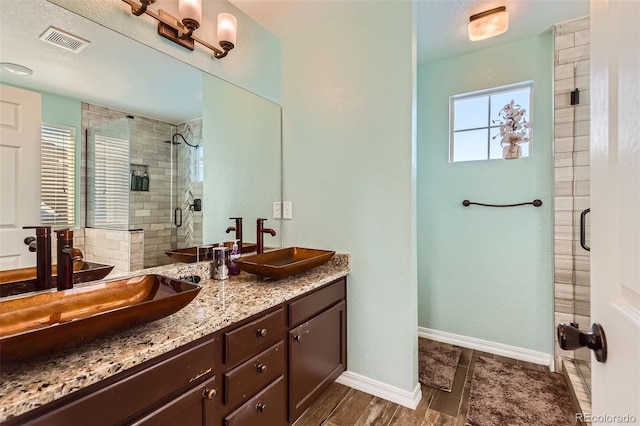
57, 174
111, 182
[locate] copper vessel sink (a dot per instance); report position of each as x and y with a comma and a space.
20, 281
46, 322
285, 262
188, 255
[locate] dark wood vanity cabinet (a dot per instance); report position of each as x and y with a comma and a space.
194, 408
161, 386
252, 368
265, 370
274, 366
317, 346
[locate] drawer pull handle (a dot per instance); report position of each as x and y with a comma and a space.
261, 407
210, 393
262, 368
262, 332
298, 338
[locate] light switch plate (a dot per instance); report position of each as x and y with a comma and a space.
287, 210
277, 210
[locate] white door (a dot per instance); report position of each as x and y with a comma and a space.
19, 174
615, 207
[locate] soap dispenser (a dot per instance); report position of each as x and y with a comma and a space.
234, 269
145, 182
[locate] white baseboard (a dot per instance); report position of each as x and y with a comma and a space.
514, 352
381, 390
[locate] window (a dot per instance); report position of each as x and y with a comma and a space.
475, 121
109, 183
57, 174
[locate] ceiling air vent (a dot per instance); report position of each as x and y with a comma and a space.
63, 39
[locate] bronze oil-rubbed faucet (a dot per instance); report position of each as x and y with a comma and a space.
43, 256
238, 229
66, 256
260, 231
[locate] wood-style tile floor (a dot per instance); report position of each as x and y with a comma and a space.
343, 406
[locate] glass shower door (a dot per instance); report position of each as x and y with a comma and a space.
187, 183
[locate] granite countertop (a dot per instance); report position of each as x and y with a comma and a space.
28, 385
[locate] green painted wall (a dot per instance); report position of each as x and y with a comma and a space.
486, 273
62, 110
348, 94
241, 138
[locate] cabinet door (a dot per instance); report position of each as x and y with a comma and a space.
317, 355
194, 408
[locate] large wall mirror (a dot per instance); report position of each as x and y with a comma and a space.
152, 136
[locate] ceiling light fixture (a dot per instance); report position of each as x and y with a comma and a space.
16, 69
180, 30
488, 24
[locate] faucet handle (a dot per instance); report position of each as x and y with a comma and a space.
64, 234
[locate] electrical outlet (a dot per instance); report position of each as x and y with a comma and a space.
277, 210
287, 210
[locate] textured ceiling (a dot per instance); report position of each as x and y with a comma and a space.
122, 73
113, 70
441, 24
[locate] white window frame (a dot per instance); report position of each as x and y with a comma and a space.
487, 93
58, 181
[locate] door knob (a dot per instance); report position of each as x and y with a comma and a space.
570, 338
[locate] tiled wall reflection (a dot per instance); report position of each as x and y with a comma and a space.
122, 249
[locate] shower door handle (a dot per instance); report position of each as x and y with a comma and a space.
583, 230
177, 213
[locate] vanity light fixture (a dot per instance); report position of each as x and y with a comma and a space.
180, 30
488, 24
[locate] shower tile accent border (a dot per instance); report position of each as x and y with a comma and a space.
572, 177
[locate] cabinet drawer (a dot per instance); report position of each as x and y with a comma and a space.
132, 395
246, 379
266, 408
253, 337
316, 302
190, 409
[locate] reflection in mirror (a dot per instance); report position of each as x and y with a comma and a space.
245, 130
167, 139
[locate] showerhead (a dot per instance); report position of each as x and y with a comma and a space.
183, 139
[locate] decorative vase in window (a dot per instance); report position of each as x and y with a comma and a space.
514, 130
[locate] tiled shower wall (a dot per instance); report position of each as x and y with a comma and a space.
122, 249
150, 210
189, 187
572, 270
